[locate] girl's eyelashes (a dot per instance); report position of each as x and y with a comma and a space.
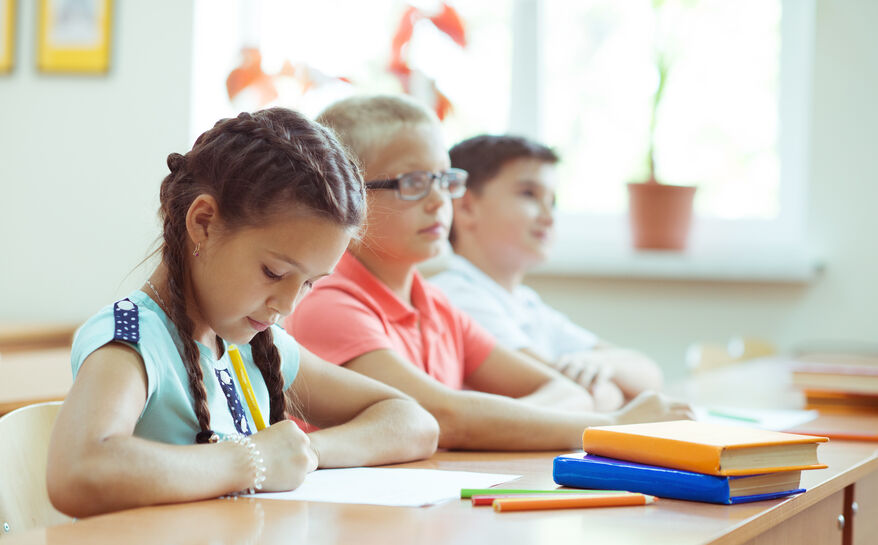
270, 275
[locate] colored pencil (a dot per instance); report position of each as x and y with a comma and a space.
244, 381
571, 502
488, 499
732, 416
466, 493
841, 436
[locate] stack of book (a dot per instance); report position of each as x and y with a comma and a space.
837, 388
690, 460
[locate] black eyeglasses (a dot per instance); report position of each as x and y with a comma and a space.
413, 186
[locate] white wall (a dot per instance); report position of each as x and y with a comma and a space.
81, 159
662, 317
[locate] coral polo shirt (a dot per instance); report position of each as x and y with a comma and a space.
352, 312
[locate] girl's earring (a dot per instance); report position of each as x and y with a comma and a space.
197, 248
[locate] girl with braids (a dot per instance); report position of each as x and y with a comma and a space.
261, 207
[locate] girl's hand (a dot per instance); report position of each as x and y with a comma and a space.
287, 455
652, 407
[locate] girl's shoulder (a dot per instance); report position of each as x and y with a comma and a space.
135, 320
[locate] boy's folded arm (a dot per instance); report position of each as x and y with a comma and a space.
372, 423
632, 371
479, 420
515, 374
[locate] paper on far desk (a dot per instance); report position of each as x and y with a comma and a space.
387, 486
767, 419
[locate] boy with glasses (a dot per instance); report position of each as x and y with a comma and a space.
376, 315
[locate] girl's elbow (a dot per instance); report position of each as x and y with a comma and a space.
70, 490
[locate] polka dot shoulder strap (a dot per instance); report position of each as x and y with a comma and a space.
126, 326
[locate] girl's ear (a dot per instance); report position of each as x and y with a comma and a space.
202, 220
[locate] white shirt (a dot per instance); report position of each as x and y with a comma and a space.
519, 319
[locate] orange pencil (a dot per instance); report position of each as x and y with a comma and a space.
569, 502
842, 436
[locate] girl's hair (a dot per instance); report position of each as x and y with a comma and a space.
255, 166
367, 124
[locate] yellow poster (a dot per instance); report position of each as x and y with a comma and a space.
74, 36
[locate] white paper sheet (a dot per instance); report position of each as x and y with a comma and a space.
767, 419
387, 486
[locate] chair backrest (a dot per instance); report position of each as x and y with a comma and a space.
24, 446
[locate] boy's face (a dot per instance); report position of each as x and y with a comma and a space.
512, 218
408, 231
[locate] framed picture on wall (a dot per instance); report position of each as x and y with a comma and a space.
7, 35
74, 36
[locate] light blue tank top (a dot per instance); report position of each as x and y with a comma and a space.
168, 415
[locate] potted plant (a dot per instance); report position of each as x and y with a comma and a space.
660, 214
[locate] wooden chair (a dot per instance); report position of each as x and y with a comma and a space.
710, 355
24, 500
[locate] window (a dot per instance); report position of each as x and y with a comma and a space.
580, 76
315, 56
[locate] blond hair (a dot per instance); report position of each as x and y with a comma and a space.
367, 124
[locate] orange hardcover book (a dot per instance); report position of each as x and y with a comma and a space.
713, 449
841, 402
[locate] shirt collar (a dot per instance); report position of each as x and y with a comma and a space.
465, 266
395, 308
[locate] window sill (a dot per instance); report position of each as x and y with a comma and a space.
781, 265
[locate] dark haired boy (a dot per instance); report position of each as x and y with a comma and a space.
503, 227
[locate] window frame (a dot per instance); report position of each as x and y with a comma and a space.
719, 249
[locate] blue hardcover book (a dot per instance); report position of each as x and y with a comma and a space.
589, 471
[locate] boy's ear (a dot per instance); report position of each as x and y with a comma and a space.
465, 210
202, 219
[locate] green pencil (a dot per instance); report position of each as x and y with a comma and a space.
470, 492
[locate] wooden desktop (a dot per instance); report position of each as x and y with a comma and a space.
840, 506
34, 363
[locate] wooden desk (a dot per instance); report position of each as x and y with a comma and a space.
33, 376
15, 337
806, 518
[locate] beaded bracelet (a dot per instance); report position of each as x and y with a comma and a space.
256, 462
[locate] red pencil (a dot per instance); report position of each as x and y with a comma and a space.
488, 499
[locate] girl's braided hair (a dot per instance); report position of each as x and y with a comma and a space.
254, 166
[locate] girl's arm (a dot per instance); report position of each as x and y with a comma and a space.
483, 421
95, 465
364, 421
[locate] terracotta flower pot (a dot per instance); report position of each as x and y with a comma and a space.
660, 215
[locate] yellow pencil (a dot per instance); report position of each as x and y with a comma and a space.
244, 381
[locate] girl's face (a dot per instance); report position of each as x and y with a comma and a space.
245, 280
513, 217
408, 231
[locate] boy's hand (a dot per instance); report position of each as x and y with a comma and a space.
652, 407
584, 368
